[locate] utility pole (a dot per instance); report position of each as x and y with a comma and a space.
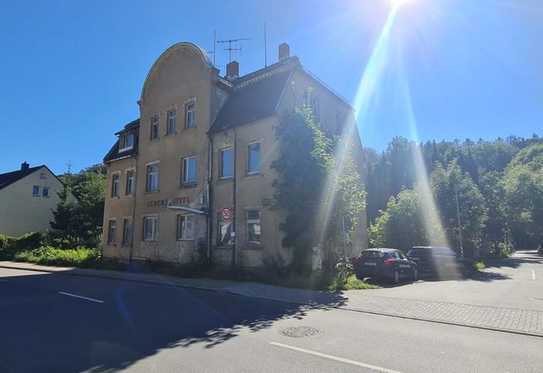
459, 221
230, 49
234, 207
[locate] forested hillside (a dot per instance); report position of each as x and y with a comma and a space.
488, 194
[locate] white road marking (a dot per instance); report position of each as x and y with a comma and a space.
81, 297
336, 358
533, 275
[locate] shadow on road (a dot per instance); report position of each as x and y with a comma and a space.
45, 331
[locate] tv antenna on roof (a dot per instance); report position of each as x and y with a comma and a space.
230, 48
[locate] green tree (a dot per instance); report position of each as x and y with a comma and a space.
524, 195
400, 225
79, 220
314, 186
461, 206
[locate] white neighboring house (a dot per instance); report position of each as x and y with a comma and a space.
28, 197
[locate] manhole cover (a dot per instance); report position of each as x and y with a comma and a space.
299, 331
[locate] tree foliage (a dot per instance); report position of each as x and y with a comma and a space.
78, 217
317, 187
498, 184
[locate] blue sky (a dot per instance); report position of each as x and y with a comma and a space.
72, 71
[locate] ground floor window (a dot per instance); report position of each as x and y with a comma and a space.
225, 229
127, 232
185, 227
111, 231
253, 226
150, 228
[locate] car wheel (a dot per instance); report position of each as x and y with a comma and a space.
396, 277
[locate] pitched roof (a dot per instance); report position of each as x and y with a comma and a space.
255, 95
113, 153
9, 178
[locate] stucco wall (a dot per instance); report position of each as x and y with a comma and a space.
22, 213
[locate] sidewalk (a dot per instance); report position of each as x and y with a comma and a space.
512, 320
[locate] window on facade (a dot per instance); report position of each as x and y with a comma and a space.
189, 172
253, 226
311, 101
185, 227
126, 141
151, 184
171, 122
111, 231
190, 115
150, 228
115, 185
154, 127
130, 182
226, 168
127, 232
224, 232
36, 191
253, 158
45, 192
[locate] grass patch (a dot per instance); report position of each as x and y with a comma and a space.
46, 255
352, 283
479, 266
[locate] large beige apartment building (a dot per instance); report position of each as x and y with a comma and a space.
190, 178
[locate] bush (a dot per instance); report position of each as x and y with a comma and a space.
47, 255
351, 283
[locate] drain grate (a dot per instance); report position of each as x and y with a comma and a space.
299, 331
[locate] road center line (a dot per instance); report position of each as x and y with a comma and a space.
81, 297
336, 358
533, 275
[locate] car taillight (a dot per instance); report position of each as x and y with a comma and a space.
389, 261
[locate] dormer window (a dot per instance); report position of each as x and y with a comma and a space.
126, 142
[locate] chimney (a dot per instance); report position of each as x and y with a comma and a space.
284, 51
24, 166
232, 70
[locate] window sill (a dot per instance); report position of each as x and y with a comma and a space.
152, 191
170, 134
223, 247
253, 246
188, 185
125, 149
249, 174
185, 240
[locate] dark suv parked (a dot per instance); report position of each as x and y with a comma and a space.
385, 264
438, 262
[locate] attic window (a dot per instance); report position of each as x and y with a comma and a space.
126, 142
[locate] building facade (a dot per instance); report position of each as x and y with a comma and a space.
191, 177
28, 198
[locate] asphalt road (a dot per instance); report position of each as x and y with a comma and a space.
59, 323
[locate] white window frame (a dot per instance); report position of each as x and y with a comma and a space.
147, 189
154, 230
171, 129
43, 192
126, 136
35, 190
111, 240
181, 231
221, 163
249, 172
133, 184
253, 221
113, 187
190, 113
184, 170
155, 119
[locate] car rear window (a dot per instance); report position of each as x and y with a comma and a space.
372, 254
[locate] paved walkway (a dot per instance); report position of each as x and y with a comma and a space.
487, 317
522, 320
